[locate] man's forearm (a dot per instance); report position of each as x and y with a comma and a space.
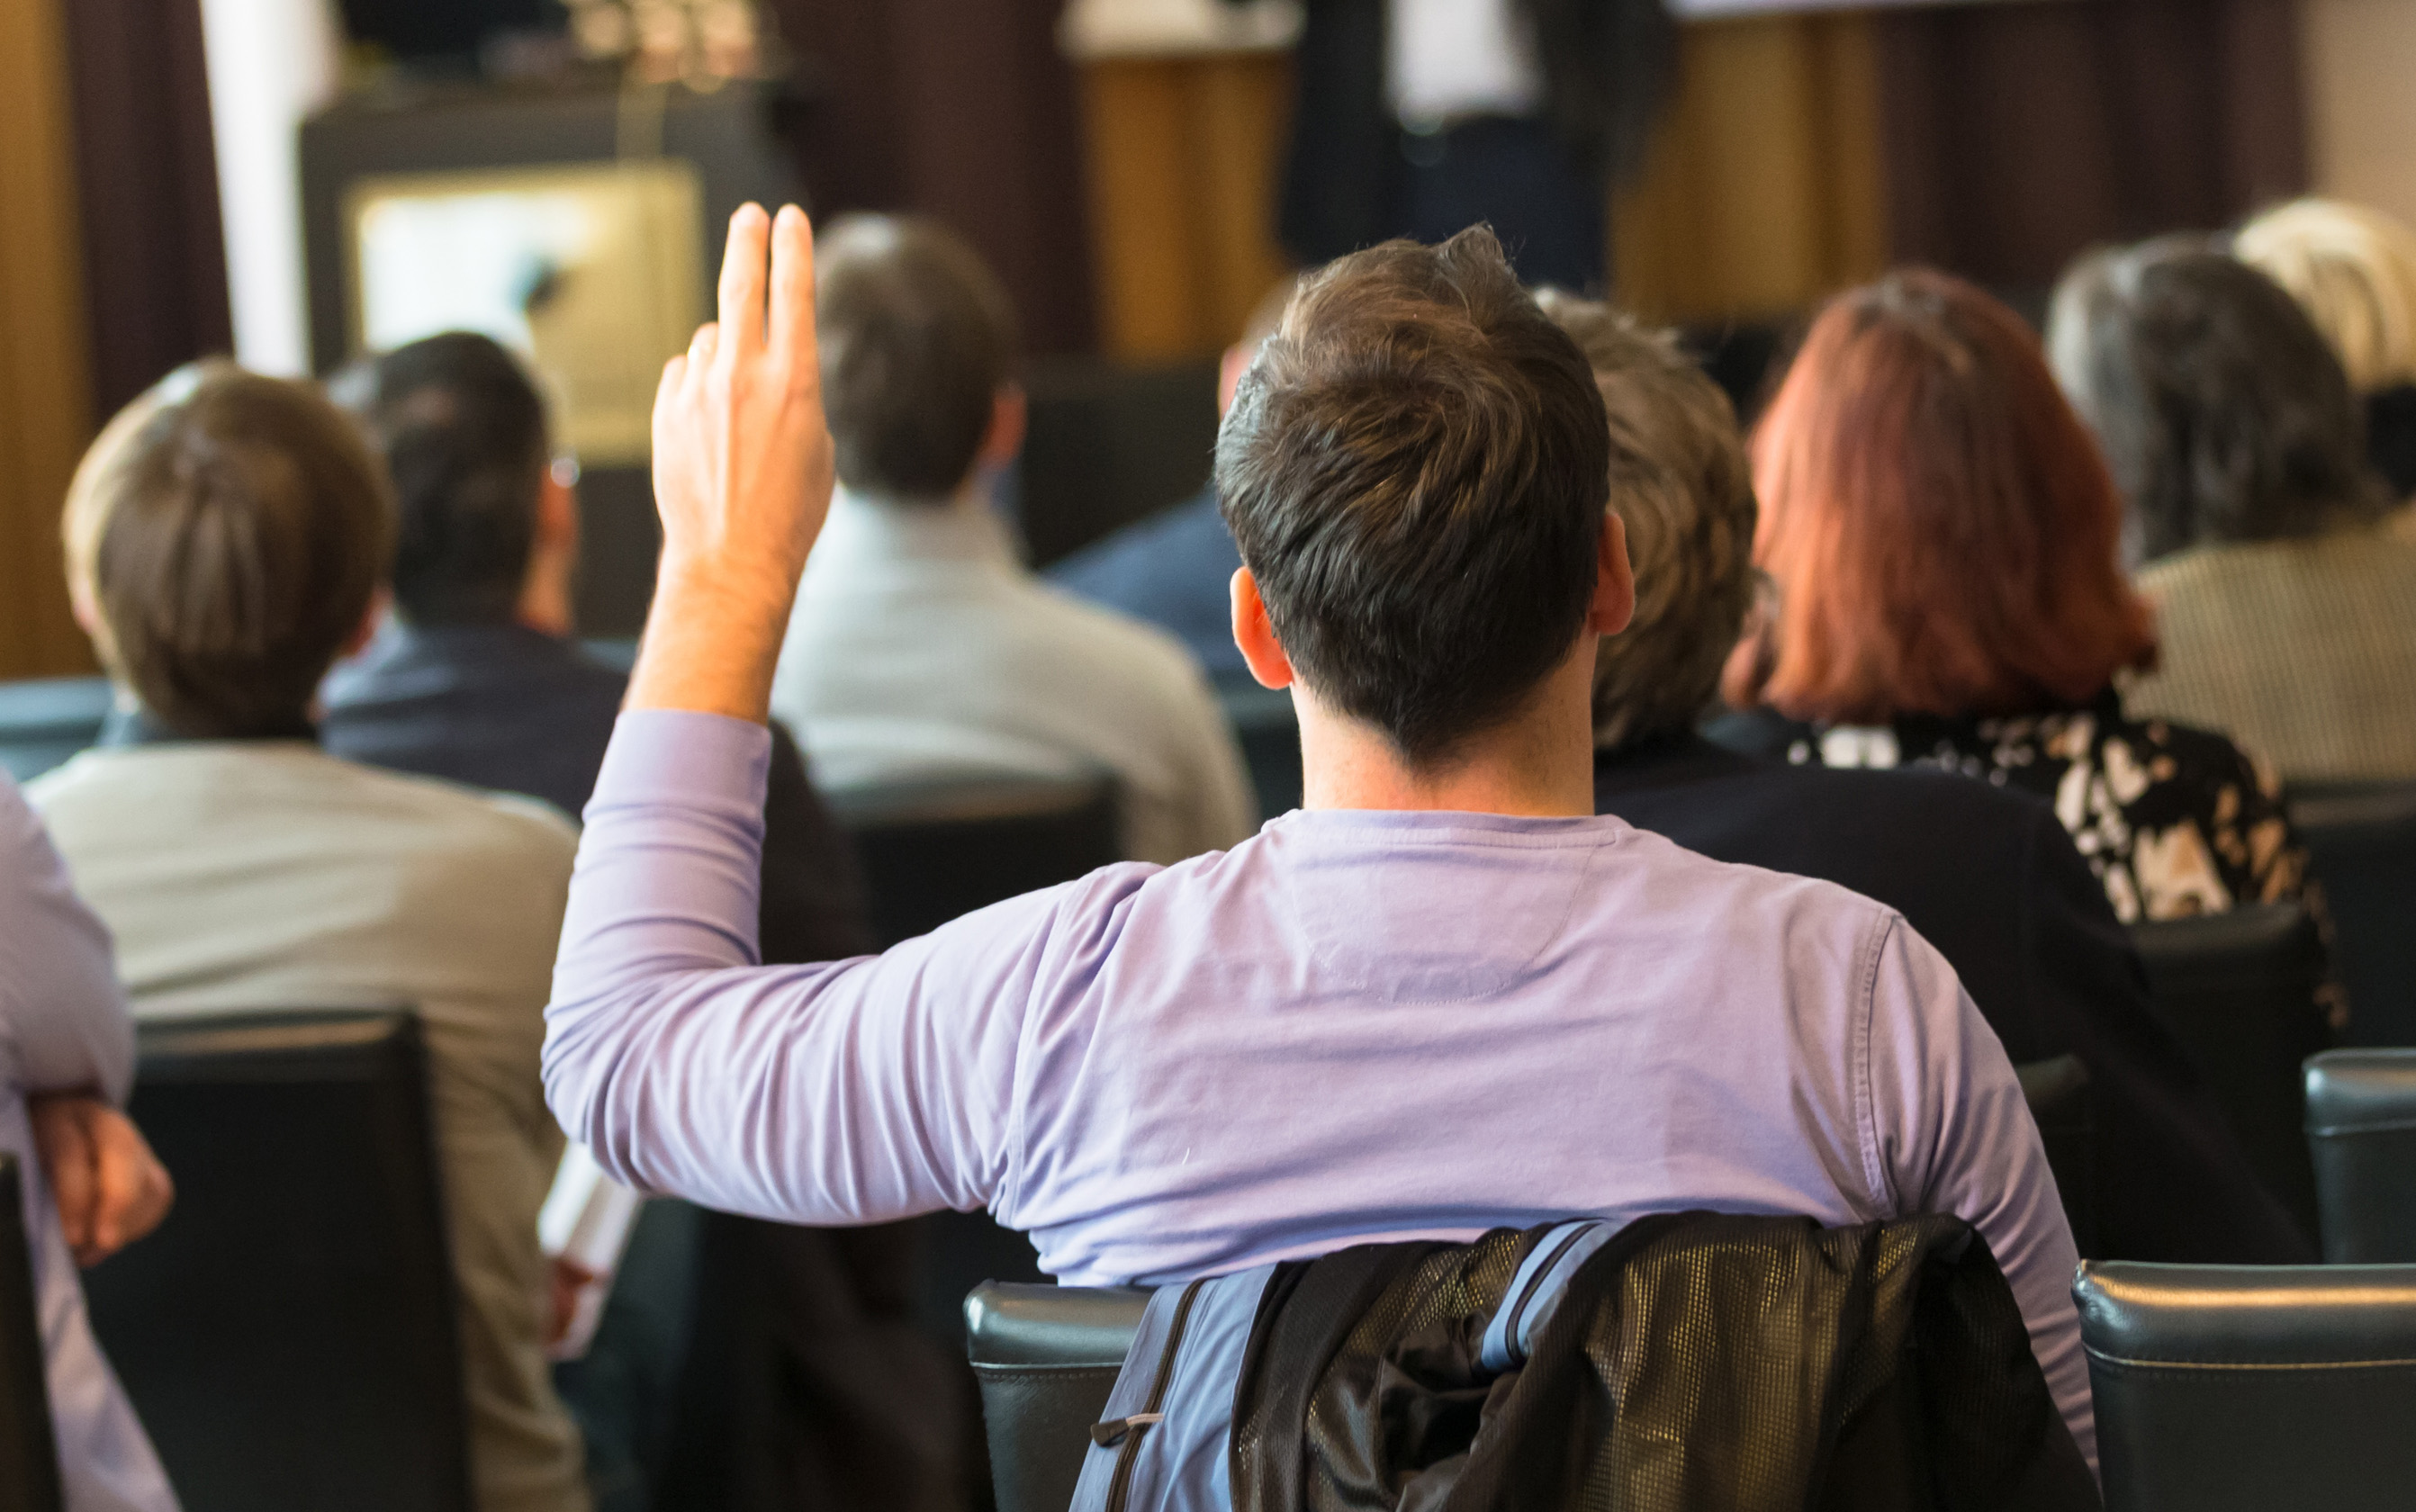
712, 642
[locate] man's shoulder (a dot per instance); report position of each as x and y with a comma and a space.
435, 821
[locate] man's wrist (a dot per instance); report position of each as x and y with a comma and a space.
713, 637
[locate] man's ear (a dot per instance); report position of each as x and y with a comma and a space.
368, 629
1614, 580
1255, 633
1004, 441
557, 512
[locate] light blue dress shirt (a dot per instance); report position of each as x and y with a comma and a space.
64, 1026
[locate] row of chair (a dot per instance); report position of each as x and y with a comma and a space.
2217, 1388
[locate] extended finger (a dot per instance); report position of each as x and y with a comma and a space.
792, 294
742, 280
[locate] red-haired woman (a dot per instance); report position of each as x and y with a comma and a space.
1941, 534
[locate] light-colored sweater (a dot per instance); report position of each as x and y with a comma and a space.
265, 874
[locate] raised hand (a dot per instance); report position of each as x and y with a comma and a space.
743, 476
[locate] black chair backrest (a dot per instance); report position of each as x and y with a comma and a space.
2362, 841
29, 1452
288, 1335
1110, 444
936, 850
2223, 1387
45, 720
2057, 1094
1046, 1357
2362, 1133
2239, 991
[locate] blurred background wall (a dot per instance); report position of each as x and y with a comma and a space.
1125, 198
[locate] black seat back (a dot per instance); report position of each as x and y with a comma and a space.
44, 720
2057, 1094
2362, 1133
288, 1335
1046, 1357
936, 850
2239, 991
29, 1455
2362, 841
2230, 1388
1109, 444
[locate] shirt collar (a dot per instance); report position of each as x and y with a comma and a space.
130, 725
967, 529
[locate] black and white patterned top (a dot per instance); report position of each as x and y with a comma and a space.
2175, 821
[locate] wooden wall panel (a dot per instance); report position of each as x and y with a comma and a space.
1185, 154
45, 406
1764, 190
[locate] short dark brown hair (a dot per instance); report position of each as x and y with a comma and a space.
1681, 484
230, 532
461, 429
1415, 469
916, 338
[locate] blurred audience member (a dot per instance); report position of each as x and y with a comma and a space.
2353, 269
1442, 995
1175, 568
226, 537
2283, 600
919, 646
476, 678
1940, 535
67, 1059
1984, 874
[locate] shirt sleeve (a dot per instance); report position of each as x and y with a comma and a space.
63, 1014
1955, 1136
844, 1093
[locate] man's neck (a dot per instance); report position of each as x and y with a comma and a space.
1538, 763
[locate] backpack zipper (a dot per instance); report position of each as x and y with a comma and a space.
1120, 1488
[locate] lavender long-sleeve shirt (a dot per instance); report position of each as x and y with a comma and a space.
1353, 1027
64, 1028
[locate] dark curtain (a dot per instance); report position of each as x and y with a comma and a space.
2018, 135
963, 110
154, 263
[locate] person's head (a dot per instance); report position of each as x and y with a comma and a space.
1264, 317
1939, 528
226, 537
485, 527
2353, 270
1415, 469
918, 354
2224, 415
1681, 484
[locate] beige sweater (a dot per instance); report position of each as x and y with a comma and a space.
2303, 651
252, 875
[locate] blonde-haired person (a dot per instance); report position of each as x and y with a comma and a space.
2353, 269
1986, 876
